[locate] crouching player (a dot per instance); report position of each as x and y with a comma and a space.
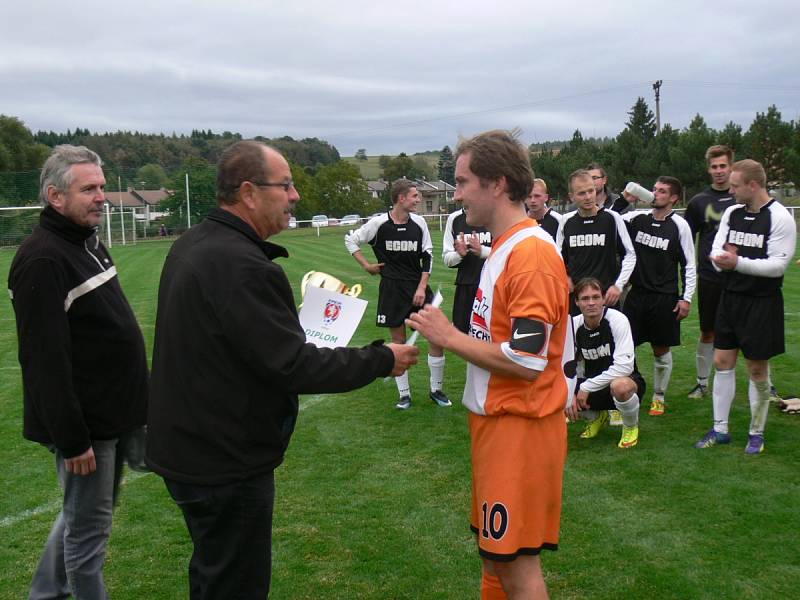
607, 374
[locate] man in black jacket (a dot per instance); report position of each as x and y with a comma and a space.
229, 360
84, 368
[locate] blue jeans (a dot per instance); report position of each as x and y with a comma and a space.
231, 528
73, 557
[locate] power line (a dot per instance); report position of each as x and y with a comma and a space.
539, 102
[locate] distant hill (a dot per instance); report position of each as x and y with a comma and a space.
371, 169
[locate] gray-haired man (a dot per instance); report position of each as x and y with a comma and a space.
84, 368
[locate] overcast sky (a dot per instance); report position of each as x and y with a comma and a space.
393, 76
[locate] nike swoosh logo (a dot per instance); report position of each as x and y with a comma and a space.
518, 336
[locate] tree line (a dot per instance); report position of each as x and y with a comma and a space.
329, 185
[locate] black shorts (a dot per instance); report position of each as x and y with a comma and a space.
652, 318
602, 399
395, 301
753, 324
708, 294
462, 305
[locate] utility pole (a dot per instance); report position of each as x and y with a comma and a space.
657, 89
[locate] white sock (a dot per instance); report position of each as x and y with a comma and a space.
769, 375
724, 391
589, 414
758, 392
704, 359
662, 371
436, 367
402, 385
629, 410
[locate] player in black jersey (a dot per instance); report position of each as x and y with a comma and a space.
752, 249
464, 247
594, 242
607, 374
605, 197
703, 214
403, 249
538, 209
655, 305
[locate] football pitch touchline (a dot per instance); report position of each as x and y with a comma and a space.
54, 506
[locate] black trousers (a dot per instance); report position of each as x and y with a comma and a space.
231, 528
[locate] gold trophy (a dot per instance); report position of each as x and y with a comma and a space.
327, 282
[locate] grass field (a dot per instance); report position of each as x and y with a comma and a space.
373, 502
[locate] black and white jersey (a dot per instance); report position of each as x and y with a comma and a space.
469, 266
597, 246
404, 248
664, 250
550, 222
703, 214
604, 353
765, 243
616, 202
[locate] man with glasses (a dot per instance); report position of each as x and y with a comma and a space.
229, 361
605, 197
402, 245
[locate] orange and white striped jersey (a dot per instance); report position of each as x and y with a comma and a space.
523, 281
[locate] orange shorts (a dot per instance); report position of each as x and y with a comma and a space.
517, 475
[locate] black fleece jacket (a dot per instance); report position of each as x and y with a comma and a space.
84, 368
230, 358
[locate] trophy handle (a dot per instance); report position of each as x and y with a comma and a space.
304, 283
354, 291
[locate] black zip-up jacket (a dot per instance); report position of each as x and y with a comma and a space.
84, 368
230, 358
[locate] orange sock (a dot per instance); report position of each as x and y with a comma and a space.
491, 588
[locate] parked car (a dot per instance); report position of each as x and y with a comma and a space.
292, 223
350, 220
319, 221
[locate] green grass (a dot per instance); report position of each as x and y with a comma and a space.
371, 170
373, 502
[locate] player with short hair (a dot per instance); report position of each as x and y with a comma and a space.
604, 196
655, 306
538, 209
703, 214
594, 241
466, 248
752, 249
607, 375
402, 245
516, 389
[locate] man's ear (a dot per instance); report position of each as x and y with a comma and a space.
54, 197
247, 195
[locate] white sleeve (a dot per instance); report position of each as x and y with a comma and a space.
722, 235
364, 234
623, 353
427, 243
687, 247
629, 260
780, 247
450, 257
560, 233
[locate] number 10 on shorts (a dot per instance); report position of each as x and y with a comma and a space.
495, 521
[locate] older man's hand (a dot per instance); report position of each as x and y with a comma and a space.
404, 357
83, 464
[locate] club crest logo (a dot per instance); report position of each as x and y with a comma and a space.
333, 308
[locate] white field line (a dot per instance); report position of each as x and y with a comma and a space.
54, 506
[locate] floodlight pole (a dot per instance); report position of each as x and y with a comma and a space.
657, 89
